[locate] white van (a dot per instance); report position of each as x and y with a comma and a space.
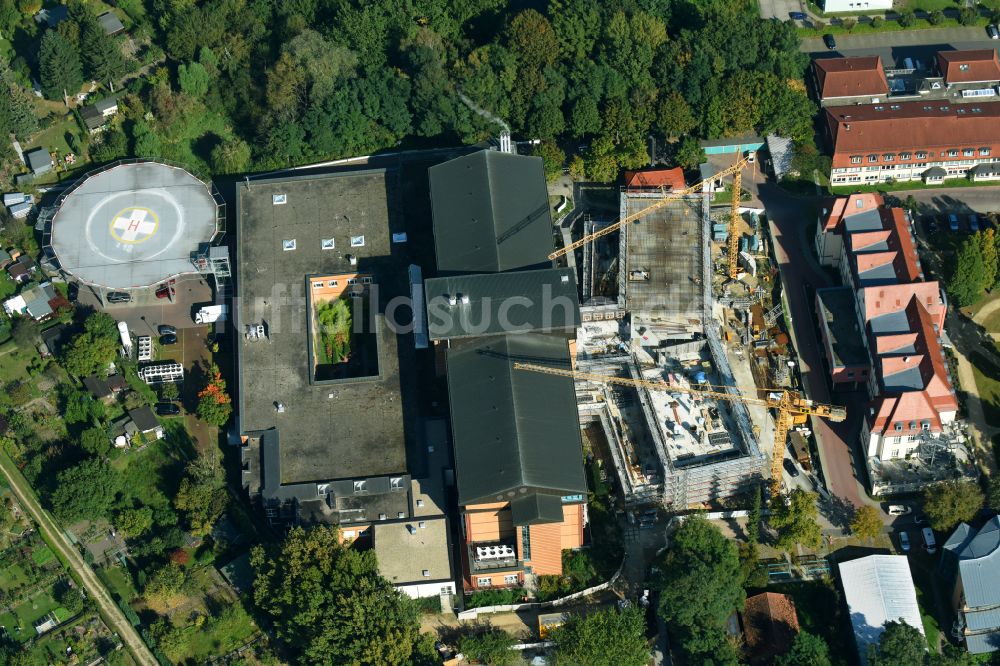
930, 543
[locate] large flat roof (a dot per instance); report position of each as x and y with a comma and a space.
663, 258
328, 431
404, 555
133, 225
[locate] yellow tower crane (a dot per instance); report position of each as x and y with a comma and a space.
734, 218
672, 195
791, 407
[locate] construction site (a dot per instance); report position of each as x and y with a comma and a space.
685, 380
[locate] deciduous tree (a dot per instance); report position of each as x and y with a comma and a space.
807, 650
329, 604
988, 246
947, 504
794, 516
135, 522
87, 490
867, 523
491, 647
193, 79
899, 644
701, 585
95, 442
214, 404
231, 156
603, 638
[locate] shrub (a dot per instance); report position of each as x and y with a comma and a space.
936, 17
506, 597
906, 18
878, 22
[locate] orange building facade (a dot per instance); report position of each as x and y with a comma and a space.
496, 553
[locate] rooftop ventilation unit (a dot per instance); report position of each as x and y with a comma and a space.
352, 259
411, 529
465, 298
279, 407
452, 300
501, 552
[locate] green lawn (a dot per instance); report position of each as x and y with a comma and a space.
42, 555
13, 576
118, 581
988, 384
902, 187
226, 631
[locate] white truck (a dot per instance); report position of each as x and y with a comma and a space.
209, 314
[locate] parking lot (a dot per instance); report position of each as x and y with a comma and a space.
145, 312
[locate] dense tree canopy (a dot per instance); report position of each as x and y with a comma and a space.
899, 645
604, 638
795, 516
867, 522
947, 504
268, 84
88, 490
329, 604
701, 585
807, 650
94, 348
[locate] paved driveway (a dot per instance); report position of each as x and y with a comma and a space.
957, 199
779, 9
896, 45
800, 274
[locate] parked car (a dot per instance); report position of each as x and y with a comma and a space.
904, 542
797, 16
898, 510
166, 329
168, 339
167, 409
930, 543
953, 222
790, 467
992, 31
165, 291
830, 42
974, 223
118, 297
73, 292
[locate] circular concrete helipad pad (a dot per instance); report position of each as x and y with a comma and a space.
133, 225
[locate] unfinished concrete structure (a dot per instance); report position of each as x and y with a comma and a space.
668, 447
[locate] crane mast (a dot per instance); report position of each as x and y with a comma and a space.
788, 404
734, 221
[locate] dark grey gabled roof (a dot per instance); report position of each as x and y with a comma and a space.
535, 508
491, 213
978, 555
514, 431
866, 220
144, 419
519, 302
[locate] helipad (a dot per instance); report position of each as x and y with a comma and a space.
133, 225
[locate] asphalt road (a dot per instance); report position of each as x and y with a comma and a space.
112, 615
900, 44
956, 199
800, 275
